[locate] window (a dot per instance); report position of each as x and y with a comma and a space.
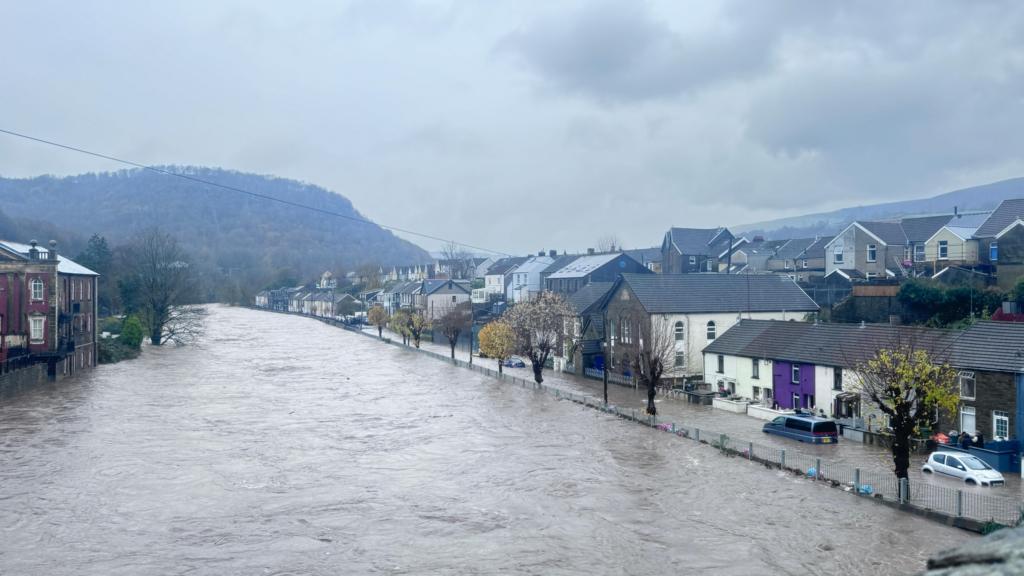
453, 298
37, 289
967, 385
693, 260
796, 374
679, 331
918, 252
680, 359
721, 364
785, 264
943, 250
36, 324
837, 255
624, 295
967, 419
803, 264
939, 458
1000, 425
626, 335
757, 392
837, 379
755, 370
993, 251
872, 253
767, 394
711, 330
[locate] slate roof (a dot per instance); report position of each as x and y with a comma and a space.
645, 255
711, 292
584, 265
922, 228
890, 232
431, 286
991, 346
505, 265
817, 248
559, 263
1005, 214
794, 248
65, 265
585, 298
694, 241
844, 345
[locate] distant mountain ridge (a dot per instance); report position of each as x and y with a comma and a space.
975, 198
230, 232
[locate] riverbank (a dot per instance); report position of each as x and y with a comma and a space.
972, 510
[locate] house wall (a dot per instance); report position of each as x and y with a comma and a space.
739, 371
855, 243
993, 391
960, 251
1010, 264
784, 388
438, 303
494, 283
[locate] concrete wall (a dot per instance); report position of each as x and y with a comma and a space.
18, 380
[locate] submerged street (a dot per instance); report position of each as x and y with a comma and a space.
285, 446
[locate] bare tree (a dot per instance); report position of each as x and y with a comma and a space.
458, 260
161, 285
453, 321
655, 351
539, 325
369, 275
608, 243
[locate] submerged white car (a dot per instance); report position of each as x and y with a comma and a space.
970, 469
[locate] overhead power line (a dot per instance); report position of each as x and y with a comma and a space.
244, 191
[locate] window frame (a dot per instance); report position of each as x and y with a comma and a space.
34, 284
997, 417
680, 331
837, 255
33, 321
755, 369
993, 251
721, 364
961, 377
837, 379
872, 253
794, 374
942, 250
711, 331
919, 253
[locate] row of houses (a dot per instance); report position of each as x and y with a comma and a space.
48, 310
812, 366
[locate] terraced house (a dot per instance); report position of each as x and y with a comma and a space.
47, 309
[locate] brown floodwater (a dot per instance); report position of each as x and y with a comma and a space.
285, 446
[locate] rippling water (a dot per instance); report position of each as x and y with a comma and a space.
284, 446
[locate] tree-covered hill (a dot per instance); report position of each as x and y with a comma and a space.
228, 233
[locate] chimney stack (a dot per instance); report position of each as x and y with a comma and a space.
552, 253
540, 253
590, 251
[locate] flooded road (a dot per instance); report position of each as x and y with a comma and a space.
285, 446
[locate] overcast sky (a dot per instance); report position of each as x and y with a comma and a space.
522, 126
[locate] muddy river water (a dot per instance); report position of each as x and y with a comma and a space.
285, 446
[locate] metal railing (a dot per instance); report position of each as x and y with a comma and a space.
988, 510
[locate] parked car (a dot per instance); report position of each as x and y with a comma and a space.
514, 362
804, 428
966, 467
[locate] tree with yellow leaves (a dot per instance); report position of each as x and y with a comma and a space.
378, 316
498, 341
908, 385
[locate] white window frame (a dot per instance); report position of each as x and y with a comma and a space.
967, 375
872, 255
37, 329
680, 331
837, 255
794, 374
711, 331
804, 263
755, 369
36, 285
693, 260
1000, 416
973, 412
721, 364
943, 250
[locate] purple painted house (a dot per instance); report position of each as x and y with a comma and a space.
793, 384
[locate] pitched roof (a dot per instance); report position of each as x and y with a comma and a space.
584, 265
65, 265
992, 346
433, 285
505, 265
1005, 214
695, 241
922, 228
585, 298
817, 248
559, 263
711, 292
645, 255
793, 248
889, 232
844, 345
534, 264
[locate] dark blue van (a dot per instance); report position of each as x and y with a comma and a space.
804, 428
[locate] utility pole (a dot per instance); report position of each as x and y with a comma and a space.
605, 350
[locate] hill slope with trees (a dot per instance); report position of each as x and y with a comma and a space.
234, 238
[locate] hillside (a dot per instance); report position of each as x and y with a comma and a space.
228, 233
984, 197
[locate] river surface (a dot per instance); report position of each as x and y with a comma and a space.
286, 446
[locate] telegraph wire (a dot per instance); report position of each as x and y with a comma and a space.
243, 191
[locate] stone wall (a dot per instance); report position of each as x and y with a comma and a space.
999, 553
18, 380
